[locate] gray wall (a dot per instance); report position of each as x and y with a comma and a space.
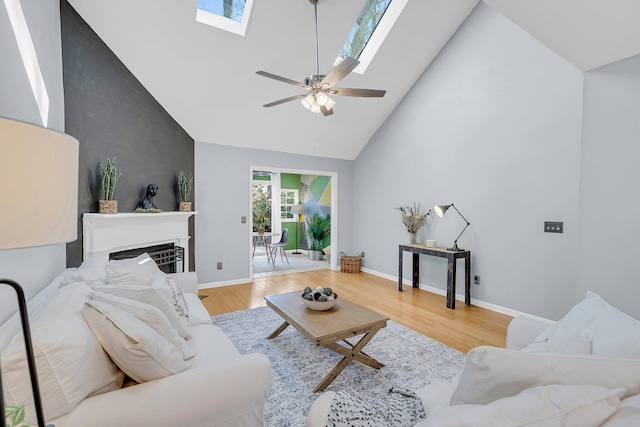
609, 198
223, 194
113, 115
493, 125
32, 268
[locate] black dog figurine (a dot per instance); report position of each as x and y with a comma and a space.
147, 201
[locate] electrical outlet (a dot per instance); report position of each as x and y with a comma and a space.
243, 219
553, 227
476, 280
219, 266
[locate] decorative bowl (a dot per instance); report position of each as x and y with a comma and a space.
319, 299
320, 305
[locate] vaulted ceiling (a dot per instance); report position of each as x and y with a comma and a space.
205, 77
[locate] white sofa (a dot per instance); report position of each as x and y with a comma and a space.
221, 387
582, 371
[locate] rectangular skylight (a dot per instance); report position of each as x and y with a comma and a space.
371, 28
228, 15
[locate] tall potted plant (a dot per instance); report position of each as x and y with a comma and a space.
110, 180
318, 227
185, 186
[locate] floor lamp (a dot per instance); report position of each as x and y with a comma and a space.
297, 210
38, 207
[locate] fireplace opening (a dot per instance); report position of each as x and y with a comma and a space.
167, 256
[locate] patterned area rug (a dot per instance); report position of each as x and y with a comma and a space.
411, 361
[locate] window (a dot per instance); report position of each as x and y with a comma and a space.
228, 15
371, 28
288, 198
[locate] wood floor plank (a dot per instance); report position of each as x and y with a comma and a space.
464, 328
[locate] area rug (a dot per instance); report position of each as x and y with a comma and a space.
411, 361
296, 262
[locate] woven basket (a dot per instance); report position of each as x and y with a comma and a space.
350, 264
184, 207
108, 206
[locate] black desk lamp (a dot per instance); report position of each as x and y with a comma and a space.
38, 207
440, 210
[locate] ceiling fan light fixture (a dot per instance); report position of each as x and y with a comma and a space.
308, 101
330, 103
315, 108
322, 98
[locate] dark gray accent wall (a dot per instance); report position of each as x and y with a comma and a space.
112, 115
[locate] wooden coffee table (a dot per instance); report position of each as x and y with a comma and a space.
328, 328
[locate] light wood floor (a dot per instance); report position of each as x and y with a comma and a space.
463, 328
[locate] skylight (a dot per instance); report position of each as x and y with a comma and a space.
228, 15
371, 28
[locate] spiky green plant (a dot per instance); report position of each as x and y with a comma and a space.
110, 179
14, 415
317, 228
185, 186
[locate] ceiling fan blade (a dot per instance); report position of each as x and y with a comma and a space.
339, 72
282, 101
367, 93
283, 79
326, 111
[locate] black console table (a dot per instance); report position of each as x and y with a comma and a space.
452, 257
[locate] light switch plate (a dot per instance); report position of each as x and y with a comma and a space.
553, 227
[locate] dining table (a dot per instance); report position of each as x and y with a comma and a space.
263, 239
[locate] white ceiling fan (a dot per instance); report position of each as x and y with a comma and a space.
320, 86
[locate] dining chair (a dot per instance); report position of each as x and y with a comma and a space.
280, 245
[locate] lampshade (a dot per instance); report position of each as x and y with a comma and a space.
322, 98
440, 209
308, 101
38, 186
296, 209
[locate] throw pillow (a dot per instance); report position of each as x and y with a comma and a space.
579, 320
547, 406
131, 271
135, 347
92, 271
150, 315
610, 332
159, 297
179, 304
568, 345
198, 314
71, 363
491, 373
627, 415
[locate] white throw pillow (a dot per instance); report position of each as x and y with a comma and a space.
92, 271
136, 348
491, 373
579, 320
198, 314
179, 304
579, 344
627, 415
547, 406
131, 271
610, 332
616, 335
150, 315
71, 363
159, 297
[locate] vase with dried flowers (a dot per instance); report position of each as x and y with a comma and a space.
413, 219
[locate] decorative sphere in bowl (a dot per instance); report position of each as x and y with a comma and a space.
319, 299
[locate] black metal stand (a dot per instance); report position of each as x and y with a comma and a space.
297, 252
22, 304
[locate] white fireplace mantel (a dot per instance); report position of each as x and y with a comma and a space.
107, 233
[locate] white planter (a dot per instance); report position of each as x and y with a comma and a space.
315, 255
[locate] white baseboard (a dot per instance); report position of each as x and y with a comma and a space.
225, 283
460, 297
